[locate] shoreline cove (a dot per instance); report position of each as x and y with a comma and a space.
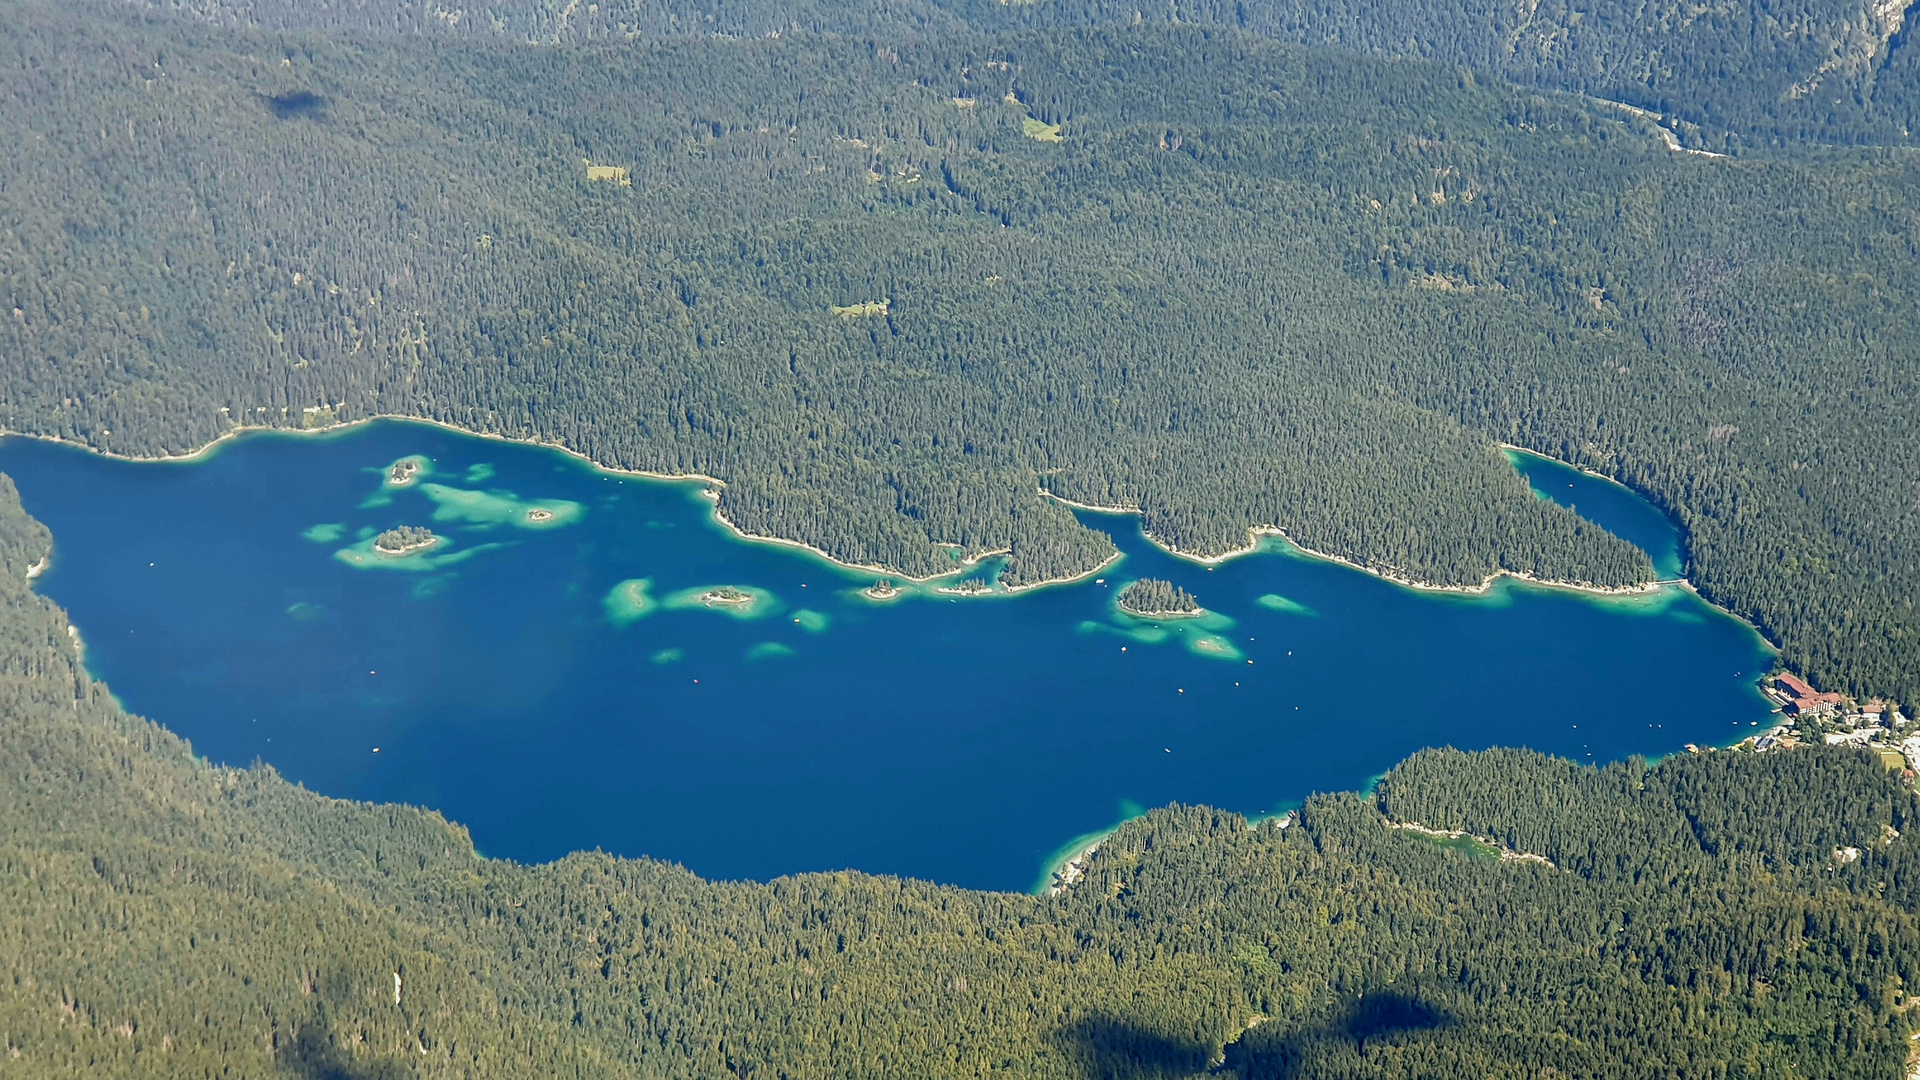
711, 483
1255, 533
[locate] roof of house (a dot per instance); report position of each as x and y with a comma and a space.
1806, 704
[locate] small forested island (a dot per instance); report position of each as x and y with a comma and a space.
881, 590
402, 472
404, 540
537, 515
726, 594
1163, 599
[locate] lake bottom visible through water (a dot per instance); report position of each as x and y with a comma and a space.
589, 660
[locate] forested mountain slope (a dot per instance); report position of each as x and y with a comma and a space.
889, 291
167, 917
1730, 76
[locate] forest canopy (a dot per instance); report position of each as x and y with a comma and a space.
1154, 596
1725, 78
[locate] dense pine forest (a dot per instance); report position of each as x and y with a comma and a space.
1153, 596
890, 287
168, 917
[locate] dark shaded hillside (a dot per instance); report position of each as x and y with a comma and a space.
1249, 285
167, 917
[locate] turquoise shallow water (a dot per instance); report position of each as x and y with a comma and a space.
1617, 508
550, 676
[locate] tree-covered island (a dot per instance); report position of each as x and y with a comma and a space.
1156, 598
726, 594
404, 540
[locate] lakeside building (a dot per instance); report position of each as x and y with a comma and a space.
1794, 685
1803, 699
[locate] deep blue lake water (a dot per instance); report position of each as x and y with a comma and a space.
520, 677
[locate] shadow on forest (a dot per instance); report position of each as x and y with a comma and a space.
1269, 1054
315, 1052
1112, 1049
296, 105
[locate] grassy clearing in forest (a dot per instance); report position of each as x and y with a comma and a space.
1466, 845
609, 174
1041, 131
861, 311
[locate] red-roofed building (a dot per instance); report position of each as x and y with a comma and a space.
1814, 705
1795, 686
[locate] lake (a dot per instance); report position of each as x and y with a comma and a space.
564, 670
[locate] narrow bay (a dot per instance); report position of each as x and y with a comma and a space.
581, 679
